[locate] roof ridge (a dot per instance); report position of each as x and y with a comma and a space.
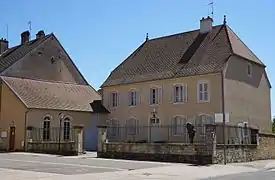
44, 80
181, 33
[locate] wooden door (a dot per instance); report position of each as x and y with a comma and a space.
12, 139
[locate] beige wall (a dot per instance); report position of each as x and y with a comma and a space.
247, 98
39, 66
12, 114
166, 110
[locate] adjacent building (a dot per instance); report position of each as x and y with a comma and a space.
41, 87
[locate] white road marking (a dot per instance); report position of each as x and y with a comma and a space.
64, 164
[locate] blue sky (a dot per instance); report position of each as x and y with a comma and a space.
99, 34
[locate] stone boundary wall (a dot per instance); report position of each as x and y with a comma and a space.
263, 150
184, 153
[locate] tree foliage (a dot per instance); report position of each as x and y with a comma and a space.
273, 125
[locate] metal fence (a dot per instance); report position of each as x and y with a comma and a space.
161, 133
235, 135
54, 134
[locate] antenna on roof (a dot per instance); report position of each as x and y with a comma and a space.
147, 38
30, 26
211, 3
224, 20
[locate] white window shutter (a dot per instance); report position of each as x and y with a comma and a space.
118, 98
129, 98
149, 95
109, 99
172, 94
185, 93
159, 95
138, 97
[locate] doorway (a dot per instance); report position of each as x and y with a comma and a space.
12, 139
156, 130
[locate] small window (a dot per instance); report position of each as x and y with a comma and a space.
249, 69
67, 129
133, 98
155, 95
114, 99
203, 91
179, 93
132, 126
113, 129
46, 128
179, 125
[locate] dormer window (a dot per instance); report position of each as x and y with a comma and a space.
249, 69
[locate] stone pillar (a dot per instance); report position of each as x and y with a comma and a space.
29, 135
79, 143
210, 143
102, 139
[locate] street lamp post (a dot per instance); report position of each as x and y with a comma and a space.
60, 125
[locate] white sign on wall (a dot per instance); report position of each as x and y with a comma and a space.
4, 134
219, 117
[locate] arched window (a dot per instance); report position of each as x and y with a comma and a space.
113, 129
46, 128
132, 126
179, 125
67, 128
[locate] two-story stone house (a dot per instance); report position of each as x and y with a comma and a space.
201, 73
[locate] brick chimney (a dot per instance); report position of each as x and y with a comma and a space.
40, 34
25, 37
4, 45
206, 25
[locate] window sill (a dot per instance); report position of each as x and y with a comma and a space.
203, 102
132, 106
153, 104
176, 103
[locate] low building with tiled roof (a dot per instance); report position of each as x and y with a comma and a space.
41, 87
201, 73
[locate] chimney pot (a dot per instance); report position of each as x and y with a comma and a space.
40, 34
206, 25
4, 45
25, 37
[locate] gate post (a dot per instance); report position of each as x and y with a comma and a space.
28, 140
102, 139
78, 133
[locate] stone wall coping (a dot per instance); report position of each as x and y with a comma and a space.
157, 144
237, 145
78, 127
30, 128
266, 134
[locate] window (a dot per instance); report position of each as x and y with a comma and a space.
46, 128
203, 91
66, 127
249, 69
179, 125
180, 93
132, 126
155, 95
133, 98
113, 129
114, 99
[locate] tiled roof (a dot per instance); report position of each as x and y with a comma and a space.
53, 95
184, 54
15, 53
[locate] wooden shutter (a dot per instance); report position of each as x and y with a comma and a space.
185, 93
159, 95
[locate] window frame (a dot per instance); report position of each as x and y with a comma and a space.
67, 130
249, 69
134, 127
199, 92
130, 97
114, 127
46, 136
184, 94
181, 130
158, 95
112, 104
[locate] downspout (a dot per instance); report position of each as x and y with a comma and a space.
25, 131
223, 115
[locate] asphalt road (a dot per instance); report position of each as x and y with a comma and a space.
69, 166
260, 175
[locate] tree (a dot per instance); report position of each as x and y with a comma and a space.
273, 125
